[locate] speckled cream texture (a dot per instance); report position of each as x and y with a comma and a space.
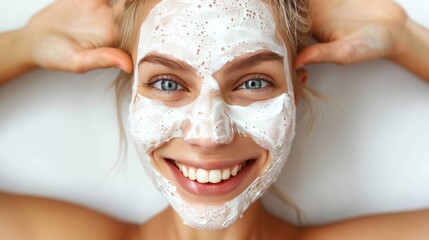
207, 34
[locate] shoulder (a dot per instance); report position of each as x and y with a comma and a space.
24, 217
406, 225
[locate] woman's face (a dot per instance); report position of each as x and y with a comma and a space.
212, 113
196, 165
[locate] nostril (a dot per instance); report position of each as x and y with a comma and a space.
203, 143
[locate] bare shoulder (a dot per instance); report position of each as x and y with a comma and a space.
24, 217
398, 226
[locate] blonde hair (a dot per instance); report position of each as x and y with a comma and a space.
293, 25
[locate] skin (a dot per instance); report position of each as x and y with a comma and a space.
204, 151
382, 30
23, 217
341, 29
82, 38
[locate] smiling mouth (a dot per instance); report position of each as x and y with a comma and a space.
212, 176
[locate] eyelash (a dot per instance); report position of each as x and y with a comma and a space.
266, 79
157, 79
151, 83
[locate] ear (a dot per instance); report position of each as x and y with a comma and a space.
302, 77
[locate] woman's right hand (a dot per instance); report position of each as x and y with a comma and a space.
68, 35
77, 36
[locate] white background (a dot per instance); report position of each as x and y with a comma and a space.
369, 153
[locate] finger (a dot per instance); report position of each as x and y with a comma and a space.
98, 1
102, 58
333, 52
105, 2
95, 3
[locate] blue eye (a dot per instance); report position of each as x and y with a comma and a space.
167, 85
254, 84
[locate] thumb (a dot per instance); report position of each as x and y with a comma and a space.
102, 58
333, 52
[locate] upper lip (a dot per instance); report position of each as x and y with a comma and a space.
207, 165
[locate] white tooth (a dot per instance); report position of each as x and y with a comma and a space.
234, 171
243, 165
179, 166
192, 174
226, 174
215, 176
202, 176
240, 167
185, 171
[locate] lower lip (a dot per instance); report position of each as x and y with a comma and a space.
210, 189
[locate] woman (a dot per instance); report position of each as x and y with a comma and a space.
256, 223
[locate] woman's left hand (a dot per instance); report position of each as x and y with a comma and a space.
352, 31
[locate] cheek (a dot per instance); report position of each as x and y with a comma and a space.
267, 122
149, 124
269, 158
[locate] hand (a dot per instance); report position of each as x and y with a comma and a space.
352, 31
77, 36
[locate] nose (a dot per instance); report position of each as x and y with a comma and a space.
210, 125
204, 144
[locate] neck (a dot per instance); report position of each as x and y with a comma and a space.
252, 225
256, 223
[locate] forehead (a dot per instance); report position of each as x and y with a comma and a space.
208, 33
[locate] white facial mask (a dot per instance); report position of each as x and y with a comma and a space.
207, 34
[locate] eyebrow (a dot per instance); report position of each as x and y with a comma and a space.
253, 60
172, 64
236, 65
